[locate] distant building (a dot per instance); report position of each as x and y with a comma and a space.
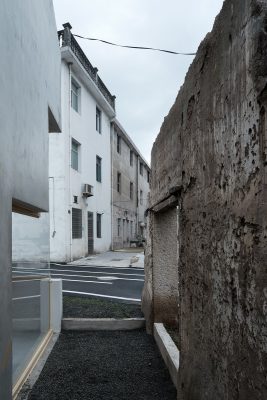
29, 110
80, 163
130, 187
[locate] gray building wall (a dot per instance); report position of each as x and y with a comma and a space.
210, 159
129, 211
30, 83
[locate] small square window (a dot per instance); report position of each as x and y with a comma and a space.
98, 120
75, 95
75, 199
98, 225
98, 169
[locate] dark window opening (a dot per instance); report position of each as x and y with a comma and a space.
98, 225
76, 223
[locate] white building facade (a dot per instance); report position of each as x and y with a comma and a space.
80, 159
130, 188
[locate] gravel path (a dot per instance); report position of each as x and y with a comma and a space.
104, 366
84, 307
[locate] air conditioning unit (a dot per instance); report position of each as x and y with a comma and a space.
87, 190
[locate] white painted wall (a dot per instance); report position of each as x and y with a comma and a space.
29, 88
30, 82
65, 182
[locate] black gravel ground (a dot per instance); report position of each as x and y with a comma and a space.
104, 366
84, 307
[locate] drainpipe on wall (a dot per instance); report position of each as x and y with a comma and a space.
70, 142
53, 212
137, 196
111, 155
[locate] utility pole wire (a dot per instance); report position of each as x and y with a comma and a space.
136, 47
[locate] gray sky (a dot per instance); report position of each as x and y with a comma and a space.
146, 83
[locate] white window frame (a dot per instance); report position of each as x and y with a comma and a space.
76, 152
75, 95
98, 120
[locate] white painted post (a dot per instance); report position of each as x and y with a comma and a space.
44, 305
56, 305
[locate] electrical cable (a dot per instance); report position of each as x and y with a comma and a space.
136, 47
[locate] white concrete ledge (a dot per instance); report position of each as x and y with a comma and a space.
168, 350
102, 324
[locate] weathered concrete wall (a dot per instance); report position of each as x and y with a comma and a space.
213, 146
165, 267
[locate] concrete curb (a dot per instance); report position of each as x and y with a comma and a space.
102, 324
168, 350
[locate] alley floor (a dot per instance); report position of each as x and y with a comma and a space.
121, 365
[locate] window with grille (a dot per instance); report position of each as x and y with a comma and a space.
76, 223
98, 169
98, 225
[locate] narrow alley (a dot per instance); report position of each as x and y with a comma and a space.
133, 200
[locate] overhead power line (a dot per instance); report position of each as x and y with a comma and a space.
136, 47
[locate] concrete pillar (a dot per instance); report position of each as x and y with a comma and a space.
44, 305
56, 305
5, 294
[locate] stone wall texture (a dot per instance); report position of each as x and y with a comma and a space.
213, 147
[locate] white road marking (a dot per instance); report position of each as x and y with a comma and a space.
75, 280
26, 280
26, 297
108, 278
96, 277
85, 276
101, 295
69, 280
74, 270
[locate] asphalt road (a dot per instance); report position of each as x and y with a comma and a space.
122, 284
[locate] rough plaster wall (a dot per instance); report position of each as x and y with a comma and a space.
213, 145
165, 282
147, 295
